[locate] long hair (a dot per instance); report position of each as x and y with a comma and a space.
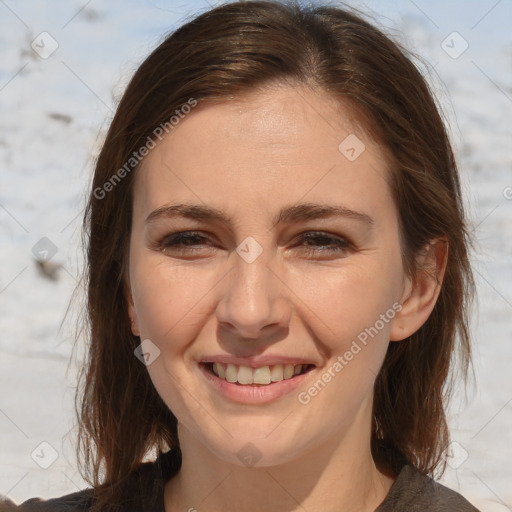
222, 54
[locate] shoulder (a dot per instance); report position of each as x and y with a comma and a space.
142, 491
80, 501
415, 492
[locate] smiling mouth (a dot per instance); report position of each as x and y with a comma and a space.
262, 376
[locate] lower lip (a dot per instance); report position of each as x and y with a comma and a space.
253, 394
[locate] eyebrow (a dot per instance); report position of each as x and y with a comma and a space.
291, 214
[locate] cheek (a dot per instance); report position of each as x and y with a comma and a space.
170, 302
168, 299
348, 301
354, 311
174, 302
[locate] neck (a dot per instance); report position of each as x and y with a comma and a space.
339, 477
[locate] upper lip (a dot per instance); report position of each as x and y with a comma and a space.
256, 361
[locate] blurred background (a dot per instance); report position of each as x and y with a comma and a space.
63, 67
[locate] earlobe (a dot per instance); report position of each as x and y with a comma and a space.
422, 290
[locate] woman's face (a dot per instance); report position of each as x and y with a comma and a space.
265, 240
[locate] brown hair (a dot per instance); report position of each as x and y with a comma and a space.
223, 53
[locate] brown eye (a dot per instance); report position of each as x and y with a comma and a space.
185, 244
323, 243
187, 239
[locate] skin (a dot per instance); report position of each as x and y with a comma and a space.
252, 157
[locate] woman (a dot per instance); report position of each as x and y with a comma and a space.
277, 275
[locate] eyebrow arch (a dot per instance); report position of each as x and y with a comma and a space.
291, 214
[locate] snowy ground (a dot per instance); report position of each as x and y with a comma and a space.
52, 112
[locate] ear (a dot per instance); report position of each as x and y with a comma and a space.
131, 308
421, 290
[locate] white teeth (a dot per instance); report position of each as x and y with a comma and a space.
277, 373
244, 375
231, 373
218, 369
288, 371
263, 375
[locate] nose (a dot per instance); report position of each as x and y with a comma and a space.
255, 305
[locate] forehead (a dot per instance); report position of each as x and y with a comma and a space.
278, 145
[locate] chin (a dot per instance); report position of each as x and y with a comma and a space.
256, 442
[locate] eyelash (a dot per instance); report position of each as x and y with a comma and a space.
335, 244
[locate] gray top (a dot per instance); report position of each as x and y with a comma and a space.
411, 492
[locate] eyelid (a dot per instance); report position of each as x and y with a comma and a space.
301, 236
336, 245
342, 239
320, 233
186, 234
